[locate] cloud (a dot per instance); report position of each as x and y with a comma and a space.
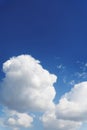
71, 111
27, 86
61, 67
16, 129
16, 120
51, 122
81, 75
72, 82
72, 105
19, 120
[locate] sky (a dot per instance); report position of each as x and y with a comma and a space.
43, 65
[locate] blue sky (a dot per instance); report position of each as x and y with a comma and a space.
55, 33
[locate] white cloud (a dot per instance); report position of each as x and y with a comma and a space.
17, 119
51, 122
27, 86
72, 82
81, 75
85, 64
11, 121
72, 105
64, 80
15, 128
71, 111
60, 67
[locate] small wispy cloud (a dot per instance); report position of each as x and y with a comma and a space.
64, 80
82, 75
60, 67
82, 65
72, 82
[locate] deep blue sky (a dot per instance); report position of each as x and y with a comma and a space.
44, 28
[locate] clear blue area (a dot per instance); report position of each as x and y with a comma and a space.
44, 29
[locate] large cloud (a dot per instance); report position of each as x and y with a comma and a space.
51, 122
70, 112
27, 86
73, 105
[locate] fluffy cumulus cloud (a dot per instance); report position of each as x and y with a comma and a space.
73, 105
52, 122
70, 112
27, 86
16, 120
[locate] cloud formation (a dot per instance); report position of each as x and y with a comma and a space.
70, 112
72, 105
16, 120
51, 122
13, 120
27, 86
